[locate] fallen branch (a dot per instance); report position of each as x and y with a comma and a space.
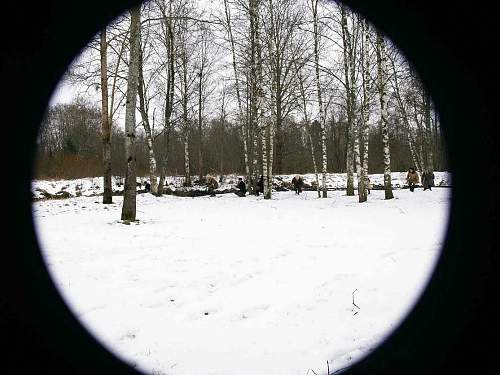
339, 370
353, 300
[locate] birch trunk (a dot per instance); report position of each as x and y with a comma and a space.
264, 137
365, 113
270, 135
130, 188
315, 168
406, 122
421, 134
187, 171
435, 142
354, 126
307, 126
147, 128
107, 197
411, 146
272, 125
314, 4
256, 82
200, 130
382, 73
169, 97
260, 95
428, 131
349, 83
185, 125
241, 120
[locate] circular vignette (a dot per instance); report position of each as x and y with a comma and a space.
43, 333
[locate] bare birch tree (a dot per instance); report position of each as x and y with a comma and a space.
307, 125
241, 118
168, 41
144, 100
382, 88
105, 123
322, 118
365, 111
349, 52
130, 189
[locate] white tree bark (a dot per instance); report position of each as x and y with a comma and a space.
428, 131
382, 81
187, 171
130, 192
352, 146
241, 118
169, 42
406, 122
365, 113
264, 137
322, 119
147, 128
185, 121
105, 123
256, 87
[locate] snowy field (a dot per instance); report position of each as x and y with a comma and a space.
230, 285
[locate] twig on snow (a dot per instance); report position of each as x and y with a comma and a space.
353, 300
339, 370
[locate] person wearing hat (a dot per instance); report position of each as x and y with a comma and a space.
412, 178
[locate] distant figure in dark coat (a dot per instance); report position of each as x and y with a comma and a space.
368, 184
260, 186
412, 178
298, 184
212, 184
427, 180
147, 187
242, 188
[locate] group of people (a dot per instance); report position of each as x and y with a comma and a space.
242, 187
297, 182
413, 179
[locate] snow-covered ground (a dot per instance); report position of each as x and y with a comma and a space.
92, 186
230, 285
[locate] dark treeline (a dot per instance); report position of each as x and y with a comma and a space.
70, 146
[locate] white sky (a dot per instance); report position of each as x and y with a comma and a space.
67, 92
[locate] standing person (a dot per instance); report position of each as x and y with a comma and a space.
298, 184
368, 184
412, 178
260, 186
242, 188
212, 185
427, 180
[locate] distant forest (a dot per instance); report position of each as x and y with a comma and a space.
70, 146
254, 87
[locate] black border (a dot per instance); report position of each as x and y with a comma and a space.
451, 328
